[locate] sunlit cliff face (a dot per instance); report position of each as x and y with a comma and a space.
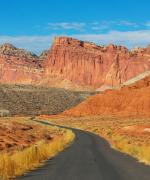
73, 64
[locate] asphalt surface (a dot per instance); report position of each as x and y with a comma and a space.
90, 157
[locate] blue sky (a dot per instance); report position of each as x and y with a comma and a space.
32, 24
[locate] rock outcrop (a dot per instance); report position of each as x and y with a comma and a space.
132, 100
43, 55
10, 50
87, 64
19, 66
73, 64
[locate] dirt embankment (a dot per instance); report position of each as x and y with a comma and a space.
128, 101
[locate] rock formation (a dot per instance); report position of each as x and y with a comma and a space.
18, 66
43, 55
87, 64
73, 64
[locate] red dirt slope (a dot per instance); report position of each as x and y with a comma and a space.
128, 101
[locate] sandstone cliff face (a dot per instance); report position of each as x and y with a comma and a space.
18, 66
87, 64
73, 64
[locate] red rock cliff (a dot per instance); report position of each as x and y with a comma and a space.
19, 66
85, 63
72, 63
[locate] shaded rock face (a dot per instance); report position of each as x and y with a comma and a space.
73, 64
18, 66
85, 63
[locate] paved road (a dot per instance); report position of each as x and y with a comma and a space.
90, 158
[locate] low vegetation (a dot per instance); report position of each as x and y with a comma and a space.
127, 135
139, 151
30, 100
15, 163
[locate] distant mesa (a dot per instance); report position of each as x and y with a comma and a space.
10, 50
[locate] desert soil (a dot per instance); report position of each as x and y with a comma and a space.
17, 133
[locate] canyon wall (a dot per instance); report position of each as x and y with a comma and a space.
87, 64
73, 64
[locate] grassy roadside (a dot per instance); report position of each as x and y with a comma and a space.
133, 143
19, 162
141, 152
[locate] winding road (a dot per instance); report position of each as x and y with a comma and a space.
90, 157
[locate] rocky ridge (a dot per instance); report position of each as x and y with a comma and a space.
73, 64
18, 66
10, 50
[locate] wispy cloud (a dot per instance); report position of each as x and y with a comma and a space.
32, 43
127, 23
97, 26
67, 25
100, 25
128, 38
147, 24
38, 43
104, 25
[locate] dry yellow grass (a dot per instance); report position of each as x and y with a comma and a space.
12, 165
137, 145
141, 152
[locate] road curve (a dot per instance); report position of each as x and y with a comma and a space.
90, 158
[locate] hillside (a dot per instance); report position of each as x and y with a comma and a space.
137, 78
129, 100
31, 100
